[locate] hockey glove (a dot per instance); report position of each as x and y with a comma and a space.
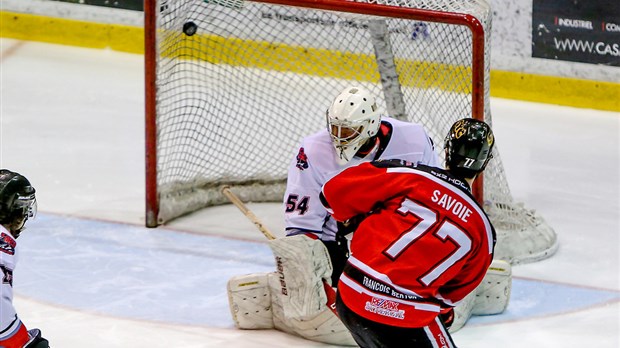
447, 316
36, 341
338, 253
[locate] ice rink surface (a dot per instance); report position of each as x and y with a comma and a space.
90, 275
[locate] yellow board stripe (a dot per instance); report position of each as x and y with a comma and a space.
554, 90
511, 85
277, 57
71, 32
314, 61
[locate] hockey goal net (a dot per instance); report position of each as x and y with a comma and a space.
232, 86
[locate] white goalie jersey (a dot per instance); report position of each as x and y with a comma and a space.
316, 162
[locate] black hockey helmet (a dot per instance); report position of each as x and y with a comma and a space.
17, 201
468, 147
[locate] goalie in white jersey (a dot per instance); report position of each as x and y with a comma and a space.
295, 298
356, 133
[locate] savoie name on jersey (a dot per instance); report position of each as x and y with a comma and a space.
451, 204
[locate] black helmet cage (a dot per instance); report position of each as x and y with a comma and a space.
468, 146
17, 200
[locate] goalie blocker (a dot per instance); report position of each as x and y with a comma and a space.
294, 299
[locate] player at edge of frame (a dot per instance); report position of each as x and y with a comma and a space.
18, 204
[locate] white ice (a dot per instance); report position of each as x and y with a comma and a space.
90, 275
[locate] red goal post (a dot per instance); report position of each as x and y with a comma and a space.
232, 86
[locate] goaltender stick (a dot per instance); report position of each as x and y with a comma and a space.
295, 299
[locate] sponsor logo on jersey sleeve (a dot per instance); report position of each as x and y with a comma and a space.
7, 244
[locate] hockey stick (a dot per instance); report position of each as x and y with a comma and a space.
329, 291
247, 212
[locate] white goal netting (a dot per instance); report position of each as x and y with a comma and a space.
237, 85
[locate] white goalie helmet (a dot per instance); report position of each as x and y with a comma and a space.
352, 119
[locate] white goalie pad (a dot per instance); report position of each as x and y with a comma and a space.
301, 264
493, 294
463, 312
324, 327
249, 299
490, 297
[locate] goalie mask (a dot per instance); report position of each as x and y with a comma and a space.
468, 147
352, 119
17, 201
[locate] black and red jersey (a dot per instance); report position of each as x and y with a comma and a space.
424, 244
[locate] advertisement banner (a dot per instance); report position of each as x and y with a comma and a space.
586, 31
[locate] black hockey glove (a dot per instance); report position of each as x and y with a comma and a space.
338, 253
349, 226
37, 341
447, 316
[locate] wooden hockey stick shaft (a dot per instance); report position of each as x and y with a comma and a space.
247, 212
329, 291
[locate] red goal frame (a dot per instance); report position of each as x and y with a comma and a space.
150, 63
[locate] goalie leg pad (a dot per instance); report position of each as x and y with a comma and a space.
280, 322
493, 294
490, 297
463, 311
324, 327
302, 264
249, 299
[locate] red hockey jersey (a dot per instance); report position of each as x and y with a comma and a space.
426, 244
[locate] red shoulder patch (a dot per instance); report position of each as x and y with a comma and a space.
302, 159
7, 244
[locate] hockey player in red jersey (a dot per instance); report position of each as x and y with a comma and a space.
422, 244
17, 205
